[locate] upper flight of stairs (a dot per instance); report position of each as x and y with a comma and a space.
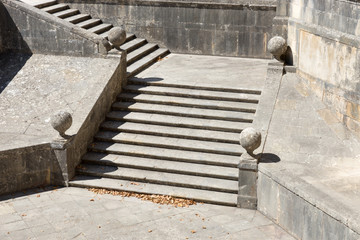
140, 53
171, 139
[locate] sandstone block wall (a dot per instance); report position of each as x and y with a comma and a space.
325, 40
226, 28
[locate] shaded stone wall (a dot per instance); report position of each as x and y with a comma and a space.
325, 40
28, 29
225, 28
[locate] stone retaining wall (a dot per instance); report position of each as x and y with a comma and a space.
226, 28
325, 40
31, 30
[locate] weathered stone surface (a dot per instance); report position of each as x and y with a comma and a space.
277, 46
250, 139
117, 36
61, 122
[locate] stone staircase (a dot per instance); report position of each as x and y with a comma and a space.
171, 139
140, 53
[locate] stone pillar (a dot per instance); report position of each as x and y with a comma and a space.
250, 139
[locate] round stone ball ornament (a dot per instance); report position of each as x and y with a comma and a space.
117, 36
277, 46
250, 139
61, 122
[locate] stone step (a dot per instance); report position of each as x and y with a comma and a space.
176, 121
203, 86
146, 61
163, 178
66, 13
55, 8
198, 195
193, 93
169, 143
140, 52
133, 44
165, 154
89, 23
161, 165
42, 3
184, 111
188, 102
100, 28
78, 18
159, 130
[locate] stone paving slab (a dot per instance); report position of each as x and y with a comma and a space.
73, 213
32, 88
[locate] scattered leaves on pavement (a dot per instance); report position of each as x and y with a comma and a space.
159, 199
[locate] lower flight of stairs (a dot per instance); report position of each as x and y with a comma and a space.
171, 139
140, 53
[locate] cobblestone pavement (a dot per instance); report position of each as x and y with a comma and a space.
74, 213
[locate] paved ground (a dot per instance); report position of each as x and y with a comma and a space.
75, 213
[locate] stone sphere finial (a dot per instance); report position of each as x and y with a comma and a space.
61, 122
250, 139
117, 36
277, 46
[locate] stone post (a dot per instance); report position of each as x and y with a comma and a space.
61, 122
250, 139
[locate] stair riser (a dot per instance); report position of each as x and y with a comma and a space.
101, 30
116, 108
237, 154
213, 107
235, 141
146, 65
69, 14
135, 46
178, 125
141, 55
156, 169
155, 181
139, 91
90, 25
134, 81
93, 149
72, 184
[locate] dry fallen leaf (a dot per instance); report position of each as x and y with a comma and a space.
204, 227
91, 200
193, 231
38, 195
149, 230
159, 199
23, 214
99, 226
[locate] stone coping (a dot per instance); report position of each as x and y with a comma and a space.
209, 4
43, 85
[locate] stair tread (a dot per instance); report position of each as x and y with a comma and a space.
169, 142
219, 125
144, 62
166, 154
89, 22
130, 45
143, 50
130, 186
78, 18
171, 131
66, 13
194, 93
100, 28
198, 182
184, 111
55, 8
203, 86
40, 3
161, 165
189, 102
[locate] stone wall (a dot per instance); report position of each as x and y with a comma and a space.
226, 28
29, 29
325, 40
28, 167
